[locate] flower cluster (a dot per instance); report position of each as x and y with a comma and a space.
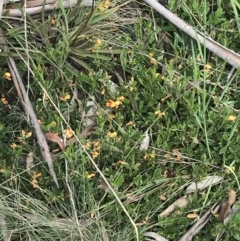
34, 180
115, 104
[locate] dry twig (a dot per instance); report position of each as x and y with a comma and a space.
200, 223
36, 6
224, 53
22, 93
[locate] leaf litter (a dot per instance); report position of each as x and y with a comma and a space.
225, 209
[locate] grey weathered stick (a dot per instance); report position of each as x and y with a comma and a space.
224, 53
48, 7
195, 229
22, 93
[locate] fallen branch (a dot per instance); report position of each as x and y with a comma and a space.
195, 229
224, 53
22, 93
37, 6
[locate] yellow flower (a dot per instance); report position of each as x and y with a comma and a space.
104, 5
29, 134
53, 21
95, 154
96, 143
96, 146
153, 61
121, 162
208, 66
150, 54
37, 174
110, 103
112, 134
8, 76
152, 155
87, 145
65, 97
115, 104
228, 171
13, 145
91, 175
149, 156
25, 134
192, 215
35, 183
53, 123
34, 180
68, 132
4, 101
121, 98
232, 118
129, 123
145, 157
159, 113
98, 41
162, 197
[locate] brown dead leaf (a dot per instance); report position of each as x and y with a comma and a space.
225, 209
53, 137
226, 206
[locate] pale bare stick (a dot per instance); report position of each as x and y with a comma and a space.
22, 93
36, 7
224, 53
